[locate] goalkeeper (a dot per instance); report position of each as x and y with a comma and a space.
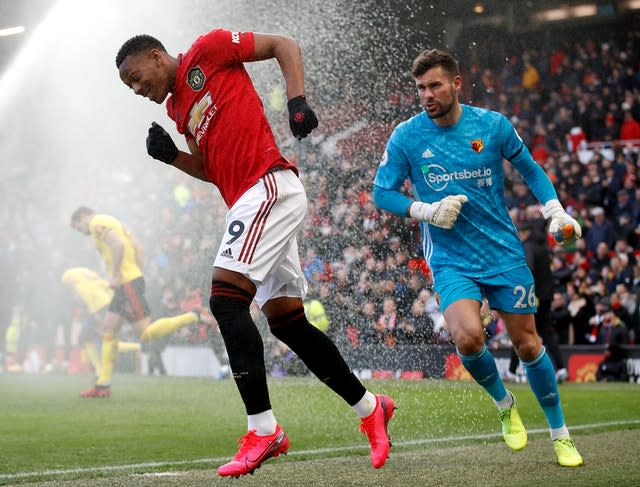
452, 154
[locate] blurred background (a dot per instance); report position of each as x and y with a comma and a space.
71, 134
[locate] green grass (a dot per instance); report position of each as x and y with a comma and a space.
180, 425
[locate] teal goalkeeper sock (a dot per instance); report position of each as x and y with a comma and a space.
542, 378
482, 367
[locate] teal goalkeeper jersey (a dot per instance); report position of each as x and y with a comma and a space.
465, 158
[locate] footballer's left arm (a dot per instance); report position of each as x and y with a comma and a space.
534, 176
542, 188
287, 52
515, 151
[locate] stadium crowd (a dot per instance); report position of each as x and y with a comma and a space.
577, 107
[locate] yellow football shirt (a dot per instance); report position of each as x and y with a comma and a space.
98, 227
89, 286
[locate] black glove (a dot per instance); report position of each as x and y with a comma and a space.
302, 120
160, 145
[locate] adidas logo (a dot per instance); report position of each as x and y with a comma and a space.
226, 253
427, 153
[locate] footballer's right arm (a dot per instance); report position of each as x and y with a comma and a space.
116, 247
391, 200
161, 147
192, 164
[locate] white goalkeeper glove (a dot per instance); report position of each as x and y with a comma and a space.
554, 210
443, 213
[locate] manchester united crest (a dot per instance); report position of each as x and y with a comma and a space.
477, 145
195, 78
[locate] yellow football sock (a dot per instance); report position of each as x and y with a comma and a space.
109, 354
128, 347
164, 326
92, 355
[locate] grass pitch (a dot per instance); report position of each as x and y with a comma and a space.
175, 431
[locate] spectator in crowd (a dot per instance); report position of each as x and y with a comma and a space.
416, 327
600, 230
497, 335
560, 269
628, 309
625, 204
313, 266
600, 259
387, 323
560, 317
607, 276
607, 326
612, 330
625, 229
284, 361
530, 76
363, 330
614, 365
339, 301
602, 306
630, 128
622, 270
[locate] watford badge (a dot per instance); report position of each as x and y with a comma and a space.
477, 145
195, 78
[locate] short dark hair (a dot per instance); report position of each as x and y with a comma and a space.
136, 44
80, 212
431, 58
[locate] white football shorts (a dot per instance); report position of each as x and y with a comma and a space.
260, 238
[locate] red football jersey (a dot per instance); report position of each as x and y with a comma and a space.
215, 103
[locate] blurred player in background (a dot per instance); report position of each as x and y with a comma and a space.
96, 294
8, 298
452, 154
214, 104
124, 257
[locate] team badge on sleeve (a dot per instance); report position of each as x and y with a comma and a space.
477, 145
195, 78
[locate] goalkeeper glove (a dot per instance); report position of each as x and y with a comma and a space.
160, 146
443, 213
302, 120
554, 210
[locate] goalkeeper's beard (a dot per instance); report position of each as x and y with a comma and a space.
443, 110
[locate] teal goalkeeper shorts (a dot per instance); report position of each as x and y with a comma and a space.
512, 291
